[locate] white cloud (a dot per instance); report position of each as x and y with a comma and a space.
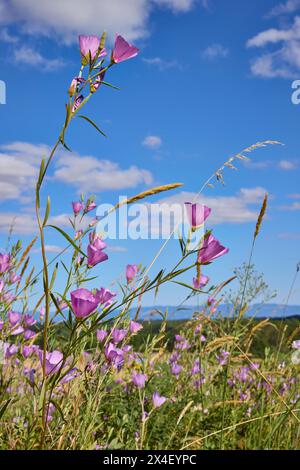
5, 36
152, 141
65, 19
239, 208
285, 8
287, 165
272, 66
176, 5
274, 35
22, 223
289, 236
252, 195
283, 62
225, 209
282, 164
215, 51
90, 174
19, 166
116, 249
50, 249
28, 56
162, 64
294, 196
258, 165
170, 212
53, 248
295, 206
19, 163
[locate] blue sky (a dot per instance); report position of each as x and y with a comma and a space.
212, 78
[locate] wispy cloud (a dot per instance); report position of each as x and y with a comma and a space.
259, 165
294, 206
116, 249
240, 208
50, 249
19, 163
283, 62
26, 55
225, 209
88, 173
24, 223
288, 165
285, 8
177, 5
21, 223
56, 18
5, 36
215, 51
162, 64
289, 236
265, 164
152, 141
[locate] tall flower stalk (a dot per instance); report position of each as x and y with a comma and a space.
93, 52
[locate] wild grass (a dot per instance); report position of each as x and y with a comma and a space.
77, 372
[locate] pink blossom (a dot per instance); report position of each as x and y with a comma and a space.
158, 400
53, 361
90, 206
296, 344
29, 320
105, 297
74, 84
14, 318
197, 214
89, 48
77, 207
83, 302
50, 410
135, 327
16, 330
10, 350
8, 298
27, 350
29, 334
101, 335
123, 50
77, 103
95, 254
96, 84
118, 335
176, 369
131, 272
210, 250
4, 262
138, 379
199, 283
114, 356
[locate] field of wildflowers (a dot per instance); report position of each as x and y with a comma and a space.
74, 376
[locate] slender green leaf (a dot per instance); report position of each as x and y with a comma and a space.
68, 238
92, 123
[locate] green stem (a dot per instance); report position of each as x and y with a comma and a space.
47, 294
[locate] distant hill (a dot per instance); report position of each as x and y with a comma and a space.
184, 313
